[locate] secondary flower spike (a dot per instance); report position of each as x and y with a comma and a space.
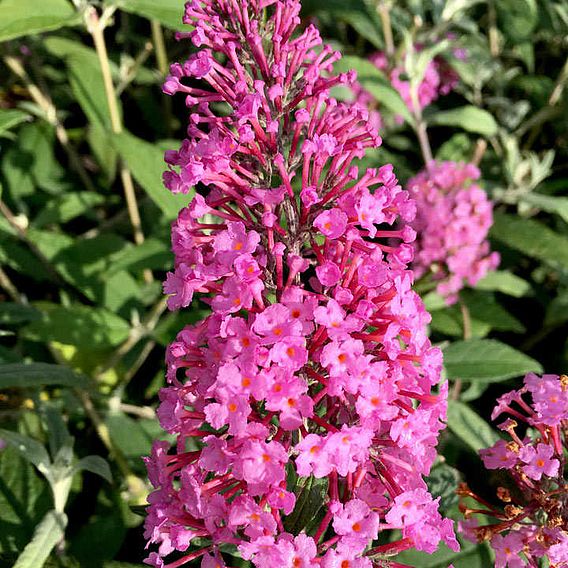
312, 385
532, 522
453, 219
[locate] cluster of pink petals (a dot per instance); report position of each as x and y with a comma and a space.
535, 522
439, 79
314, 361
453, 218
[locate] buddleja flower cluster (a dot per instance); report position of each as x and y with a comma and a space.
533, 522
313, 369
439, 79
453, 218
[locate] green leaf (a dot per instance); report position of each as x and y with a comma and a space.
11, 117
68, 206
548, 203
56, 427
121, 290
128, 435
96, 465
442, 482
25, 17
468, 117
310, 498
459, 148
517, 18
469, 427
152, 253
12, 313
557, 311
29, 449
146, 163
100, 539
33, 375
92, 328
449, 321
167, 12
484, 307
531, 238
105, 153
46, 536
366, 24
504, 282
486, 360
24, 500
21, 162
84, 76
452, 8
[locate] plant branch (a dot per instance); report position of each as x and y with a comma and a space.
95, 27
136, 334
384, 13
132, 70
163, 67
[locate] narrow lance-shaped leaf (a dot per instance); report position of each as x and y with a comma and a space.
30, 449
469, 427
486, 360
167, 12
531, 238
25, 17
10, 118
96, 465
468, 117
46, 536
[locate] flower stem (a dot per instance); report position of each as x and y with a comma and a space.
163, 67
96, 29
384, 13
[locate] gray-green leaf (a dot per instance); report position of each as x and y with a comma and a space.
32, 375
167, 12
504, 282
96, 465
30, 449
531, 238
486, 360
25, 17
469, 427
468, 117
46, 536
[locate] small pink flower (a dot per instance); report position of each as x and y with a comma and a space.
328, 273
539, 461
499, 456
332, 223
507, 550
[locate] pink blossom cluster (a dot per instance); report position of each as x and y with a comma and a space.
453, 218
439, 79
533, 523
314, 364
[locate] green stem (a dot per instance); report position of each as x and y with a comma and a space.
163, 67
384, 13
95, 27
